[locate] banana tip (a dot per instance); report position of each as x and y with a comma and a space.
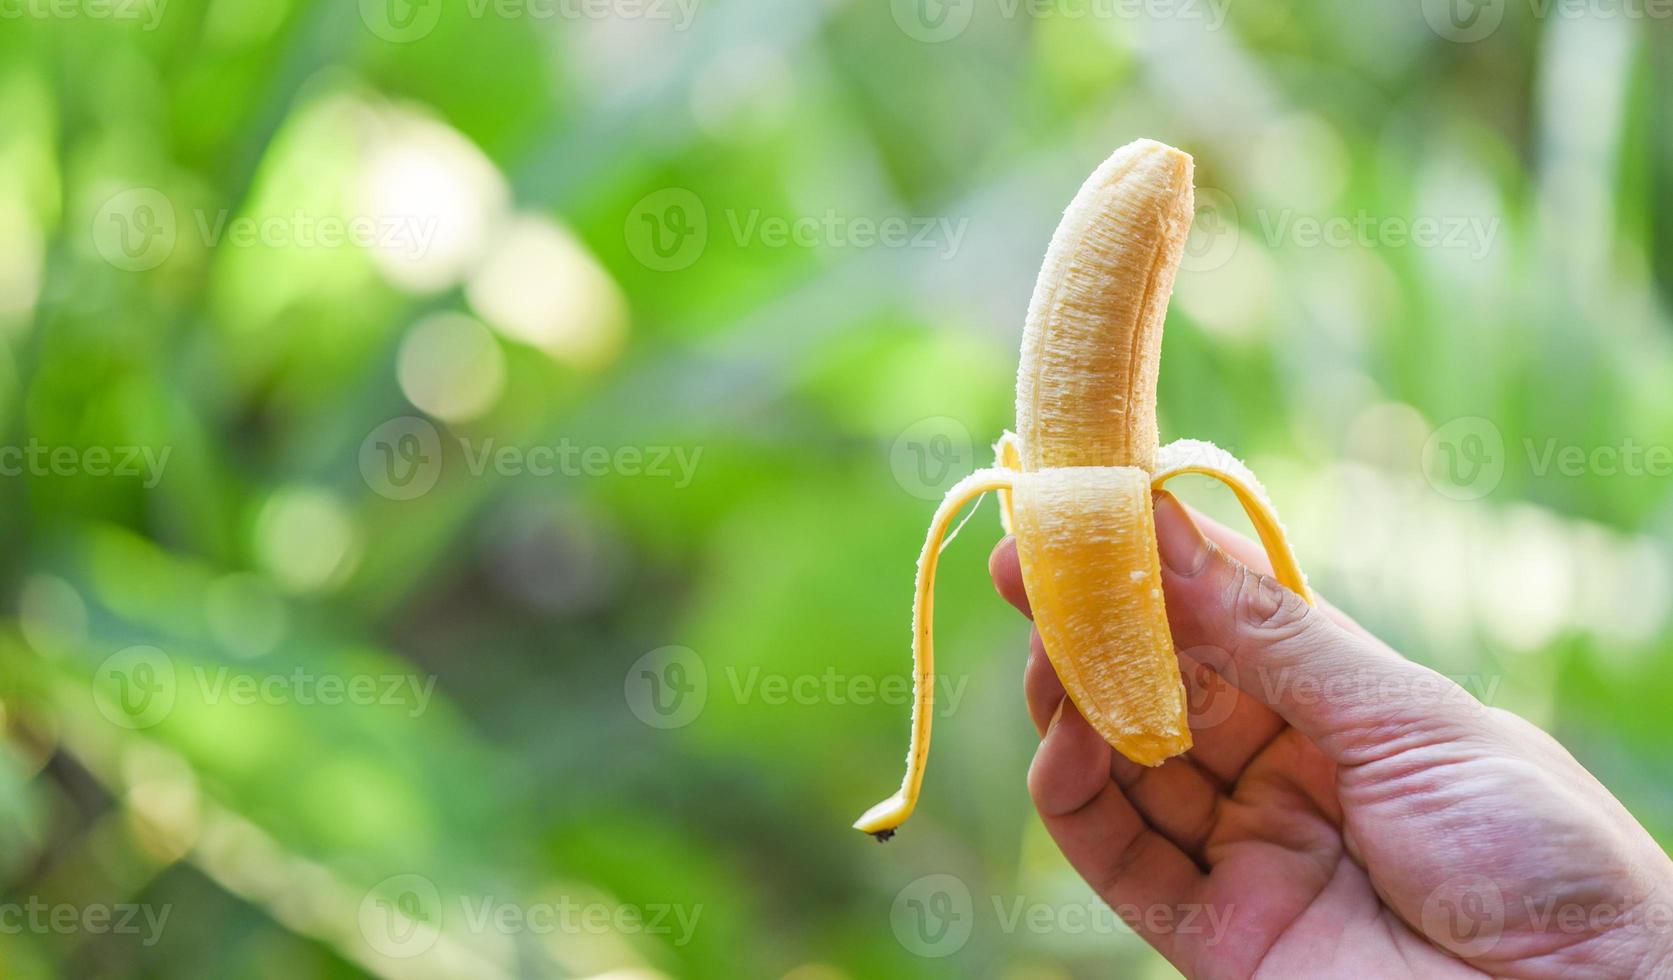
1172, 154
1156, 176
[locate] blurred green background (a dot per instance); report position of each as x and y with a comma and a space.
463, 462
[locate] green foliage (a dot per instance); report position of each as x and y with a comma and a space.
332, 723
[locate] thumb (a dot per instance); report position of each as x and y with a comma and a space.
1354, 697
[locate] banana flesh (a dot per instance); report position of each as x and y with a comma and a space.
1092, 342
1086, 537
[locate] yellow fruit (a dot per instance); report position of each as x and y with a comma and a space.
1075, 479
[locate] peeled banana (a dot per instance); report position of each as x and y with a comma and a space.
1074, 481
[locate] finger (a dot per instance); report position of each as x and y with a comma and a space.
1177, 798
1253, 556
1354, 697
1228, 728
1040, 684
1007, 574
1237, 545
1126, 861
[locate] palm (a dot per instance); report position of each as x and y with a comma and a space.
1276, 852
1258, 807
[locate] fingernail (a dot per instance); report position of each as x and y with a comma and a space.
1183, 547
1056, 716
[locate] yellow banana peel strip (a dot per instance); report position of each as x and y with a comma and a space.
1006, 456
883, 818
1207, 459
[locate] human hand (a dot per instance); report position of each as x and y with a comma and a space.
1344, 811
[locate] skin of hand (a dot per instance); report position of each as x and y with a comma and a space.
1344, 811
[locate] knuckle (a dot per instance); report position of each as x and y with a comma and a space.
1272, 611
